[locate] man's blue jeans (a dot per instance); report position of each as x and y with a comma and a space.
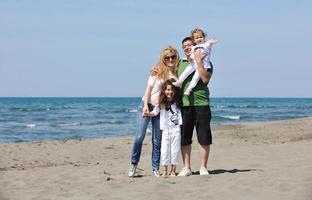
141, 127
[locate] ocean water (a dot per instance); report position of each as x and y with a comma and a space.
33, 119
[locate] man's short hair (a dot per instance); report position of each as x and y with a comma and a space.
186, 39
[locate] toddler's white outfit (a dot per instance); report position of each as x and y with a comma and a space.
205, 48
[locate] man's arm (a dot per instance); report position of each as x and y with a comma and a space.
204, 75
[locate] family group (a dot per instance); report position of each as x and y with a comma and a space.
176, 100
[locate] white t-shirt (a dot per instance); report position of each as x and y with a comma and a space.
156, 84
170, 118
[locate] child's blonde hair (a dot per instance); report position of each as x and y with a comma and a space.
197, 30
163, 70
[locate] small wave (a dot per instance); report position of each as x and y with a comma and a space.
246, 106
105, 122
116, 122
232, 117
31, 109
67, 124
30, 125
132, 110
97, 123
96, 108
20, 109
218, 106
67, 107
118, 110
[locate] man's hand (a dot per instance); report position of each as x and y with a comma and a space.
154, 71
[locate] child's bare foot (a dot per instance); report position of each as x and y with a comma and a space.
173, 174
165, 171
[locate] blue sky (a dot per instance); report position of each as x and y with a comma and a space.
106, 48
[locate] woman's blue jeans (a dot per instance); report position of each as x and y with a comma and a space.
141, 127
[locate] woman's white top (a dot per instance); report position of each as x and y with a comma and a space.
156, 84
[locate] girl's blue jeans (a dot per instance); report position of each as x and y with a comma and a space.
141, 127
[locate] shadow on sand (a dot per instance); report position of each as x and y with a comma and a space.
211, 172
222, 171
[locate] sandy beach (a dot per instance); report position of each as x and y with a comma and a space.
267, 160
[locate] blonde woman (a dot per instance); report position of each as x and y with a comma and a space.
167, 69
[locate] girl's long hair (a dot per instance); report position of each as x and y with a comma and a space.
163, 69
163, 102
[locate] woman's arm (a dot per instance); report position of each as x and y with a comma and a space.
154, 112
146, 99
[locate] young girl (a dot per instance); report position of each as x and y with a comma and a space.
198, 36
169, 106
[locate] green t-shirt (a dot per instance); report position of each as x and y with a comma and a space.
200, 93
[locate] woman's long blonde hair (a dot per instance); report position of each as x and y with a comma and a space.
163, 69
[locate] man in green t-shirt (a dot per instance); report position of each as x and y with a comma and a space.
196, 111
